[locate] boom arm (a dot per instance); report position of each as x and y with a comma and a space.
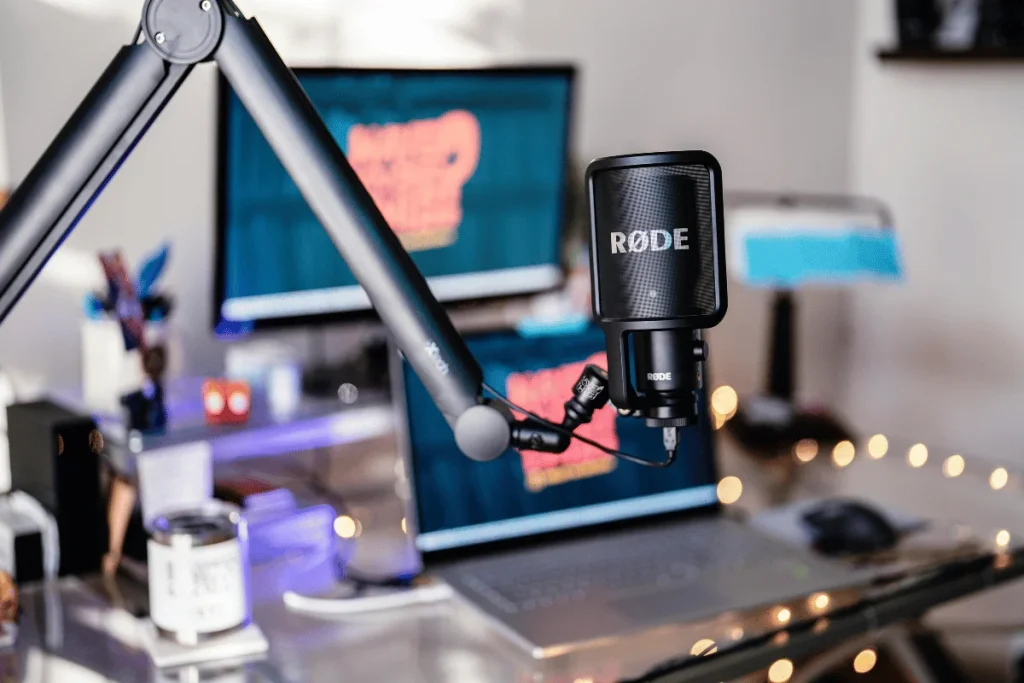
131, 93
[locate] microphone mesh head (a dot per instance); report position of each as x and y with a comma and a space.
654, 227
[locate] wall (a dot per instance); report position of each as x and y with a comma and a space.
5, 173
939, 358
765, 86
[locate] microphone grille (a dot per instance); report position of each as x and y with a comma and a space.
654, 228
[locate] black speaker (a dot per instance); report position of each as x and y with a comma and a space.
55, 458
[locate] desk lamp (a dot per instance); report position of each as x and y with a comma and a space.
784, 242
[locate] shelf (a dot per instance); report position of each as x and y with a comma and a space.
972, 56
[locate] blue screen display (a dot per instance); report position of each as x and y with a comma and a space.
461, 502
468, 168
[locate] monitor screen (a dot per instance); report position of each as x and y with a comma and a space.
461, 503
467, 166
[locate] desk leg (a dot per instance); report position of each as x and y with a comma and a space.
917, 651
921, 654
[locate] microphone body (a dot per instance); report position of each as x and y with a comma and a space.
658, 276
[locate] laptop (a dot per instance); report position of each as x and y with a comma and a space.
562, 551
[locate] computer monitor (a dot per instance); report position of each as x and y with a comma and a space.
461, 504
468, 166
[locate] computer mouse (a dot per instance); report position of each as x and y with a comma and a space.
847, 527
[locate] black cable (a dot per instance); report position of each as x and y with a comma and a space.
669, 458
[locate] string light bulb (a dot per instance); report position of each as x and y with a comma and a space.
783, 615
878, 446
1003, 538
347, 527
953, 466
819, 601
805, 450
865, 661
999, 478
917, 456
780, 671
704, 647
729, 490
725, 401
842, 454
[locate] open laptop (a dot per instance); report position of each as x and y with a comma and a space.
565, 550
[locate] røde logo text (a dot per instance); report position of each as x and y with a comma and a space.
650, 240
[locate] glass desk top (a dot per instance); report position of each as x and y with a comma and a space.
974, 541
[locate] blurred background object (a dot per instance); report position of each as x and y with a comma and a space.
788, 243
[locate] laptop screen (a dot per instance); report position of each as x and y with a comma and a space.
462, 503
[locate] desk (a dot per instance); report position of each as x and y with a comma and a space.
449, 642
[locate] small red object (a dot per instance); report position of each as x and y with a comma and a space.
226, 401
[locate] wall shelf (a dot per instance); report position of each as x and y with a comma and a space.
972, 56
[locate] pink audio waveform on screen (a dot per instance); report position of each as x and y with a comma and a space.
543, 392
415, 172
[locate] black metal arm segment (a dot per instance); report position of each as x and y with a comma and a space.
127, 99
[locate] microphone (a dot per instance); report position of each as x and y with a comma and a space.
658, 278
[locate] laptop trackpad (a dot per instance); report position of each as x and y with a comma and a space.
679, 605
687, 603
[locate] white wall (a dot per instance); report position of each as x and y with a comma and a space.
939, 358
764, 86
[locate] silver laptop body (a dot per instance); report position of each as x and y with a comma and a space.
555, 587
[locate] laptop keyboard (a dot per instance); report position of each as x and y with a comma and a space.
645, 560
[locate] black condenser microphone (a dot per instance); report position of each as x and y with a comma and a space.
658, 253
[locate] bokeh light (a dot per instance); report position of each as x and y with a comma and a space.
953, 466
917, 456
704, 646
805, 450
347, 527
781, 671
999, 478
865, 661
878, 446
730, 489
725, 401
842, 454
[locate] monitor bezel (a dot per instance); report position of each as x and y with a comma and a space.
568, 71
436, 558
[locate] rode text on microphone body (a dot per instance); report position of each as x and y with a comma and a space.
658, 276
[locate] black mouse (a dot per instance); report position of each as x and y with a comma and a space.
847, 527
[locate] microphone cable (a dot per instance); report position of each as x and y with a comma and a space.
670, 436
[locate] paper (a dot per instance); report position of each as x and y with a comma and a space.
175, 478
